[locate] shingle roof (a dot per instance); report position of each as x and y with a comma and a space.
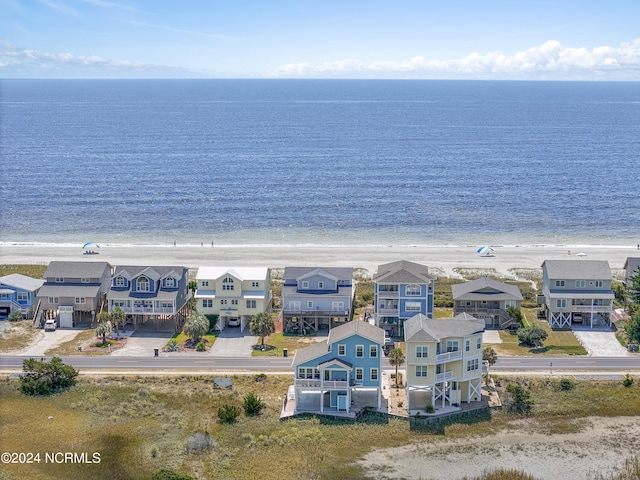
577, 269
485, 288
632, 263
63, 290
305, 354
357, 327
131, 271
66, 269
241, 273
341, 273
402, 271
423, 329
22, 282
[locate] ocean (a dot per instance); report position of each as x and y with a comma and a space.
319, 162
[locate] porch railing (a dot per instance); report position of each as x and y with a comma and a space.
317, 383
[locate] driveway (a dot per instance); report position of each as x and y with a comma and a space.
142, 343
233, 343
49, 340
600, 344
491, 336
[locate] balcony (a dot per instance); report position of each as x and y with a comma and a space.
148, 310
388, 294
448, 357
317, 383
590, 308
444, 376
388, 311
313, 313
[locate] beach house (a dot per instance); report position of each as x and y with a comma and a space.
235, 294
158, 294
486, 299
341, 373
73, 292
316, 298
18, 293
631, 268
443, 361
402, 290
577, 293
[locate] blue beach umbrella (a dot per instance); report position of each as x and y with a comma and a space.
485, 250
90, 244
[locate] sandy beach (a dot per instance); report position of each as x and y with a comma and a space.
443, 259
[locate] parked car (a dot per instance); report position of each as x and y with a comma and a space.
389, 344
50, 325
233, 322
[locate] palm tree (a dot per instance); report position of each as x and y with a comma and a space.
196, 326
262, 325
118, 317
396, 359
103, 329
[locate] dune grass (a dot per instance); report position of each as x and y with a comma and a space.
278, 341
141, 424
30, 270
19, 335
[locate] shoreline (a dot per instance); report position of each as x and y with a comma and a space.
442, 258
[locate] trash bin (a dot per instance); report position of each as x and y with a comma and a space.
155, 352
285, 352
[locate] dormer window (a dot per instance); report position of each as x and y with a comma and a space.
120, 282
143, 284
580, 283
305, 284
227, 284
85, 280
59, 280
170, 282
255, 284
320, 285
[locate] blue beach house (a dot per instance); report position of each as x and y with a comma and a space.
340, 374
316, 298
18, 293
402, 290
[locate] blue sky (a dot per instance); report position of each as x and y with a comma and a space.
452, 39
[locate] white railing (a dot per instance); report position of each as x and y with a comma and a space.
443, 377
314, 382
388, 311
148, 309
393, 294
449, 356
589, 308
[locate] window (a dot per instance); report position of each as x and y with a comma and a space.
143, 284
599, 284
580, 283
559, 283
59, 280
120, 303
207, 303
54, 300
81, 300
166, 304
251, 304
337, 306
320, 285
479, 342
561, 303
422, 351
227, 284
359, 374
170, 282
308, 373
223, 301
422, 371
120, 282
412, 290
23, 296
472, 365
373, 351
309, 304
234, 301
452, 345
255, 284
374, 374
342, 350
412, 306
85, 280
294, 306
204, 283
305, 284
359, 351
467, 345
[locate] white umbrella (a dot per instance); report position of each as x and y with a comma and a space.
581, 254
485, 250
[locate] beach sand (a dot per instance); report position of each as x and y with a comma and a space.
443, 259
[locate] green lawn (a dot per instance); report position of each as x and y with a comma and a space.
180, 338
278, 341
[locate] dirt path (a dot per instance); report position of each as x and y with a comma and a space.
600, 447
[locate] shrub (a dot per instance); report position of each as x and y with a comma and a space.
531, 336
201, 347
628, 381
213, 321
173, 346
261, 377
567, 384
166, 474
45, 378
520, 399
199, 442
228, 414
253, 405
429, 409
15, 316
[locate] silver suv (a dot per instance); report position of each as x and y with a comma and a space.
50, 325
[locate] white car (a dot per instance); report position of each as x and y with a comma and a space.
233, 322
50, 325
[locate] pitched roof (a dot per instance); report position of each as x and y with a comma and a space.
402, 271
484, 289
577, 269
305, 354
22, 282
65, 269
241, 273
341, 273
357, 327
632, 263
131, 271
420, 328
66, 290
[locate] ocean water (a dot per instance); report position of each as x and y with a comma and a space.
326, 162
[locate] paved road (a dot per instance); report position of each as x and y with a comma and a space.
273, 364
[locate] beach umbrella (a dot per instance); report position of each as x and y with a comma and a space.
90, 244
485, 250
581, 254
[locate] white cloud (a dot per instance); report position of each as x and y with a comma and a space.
550, 60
